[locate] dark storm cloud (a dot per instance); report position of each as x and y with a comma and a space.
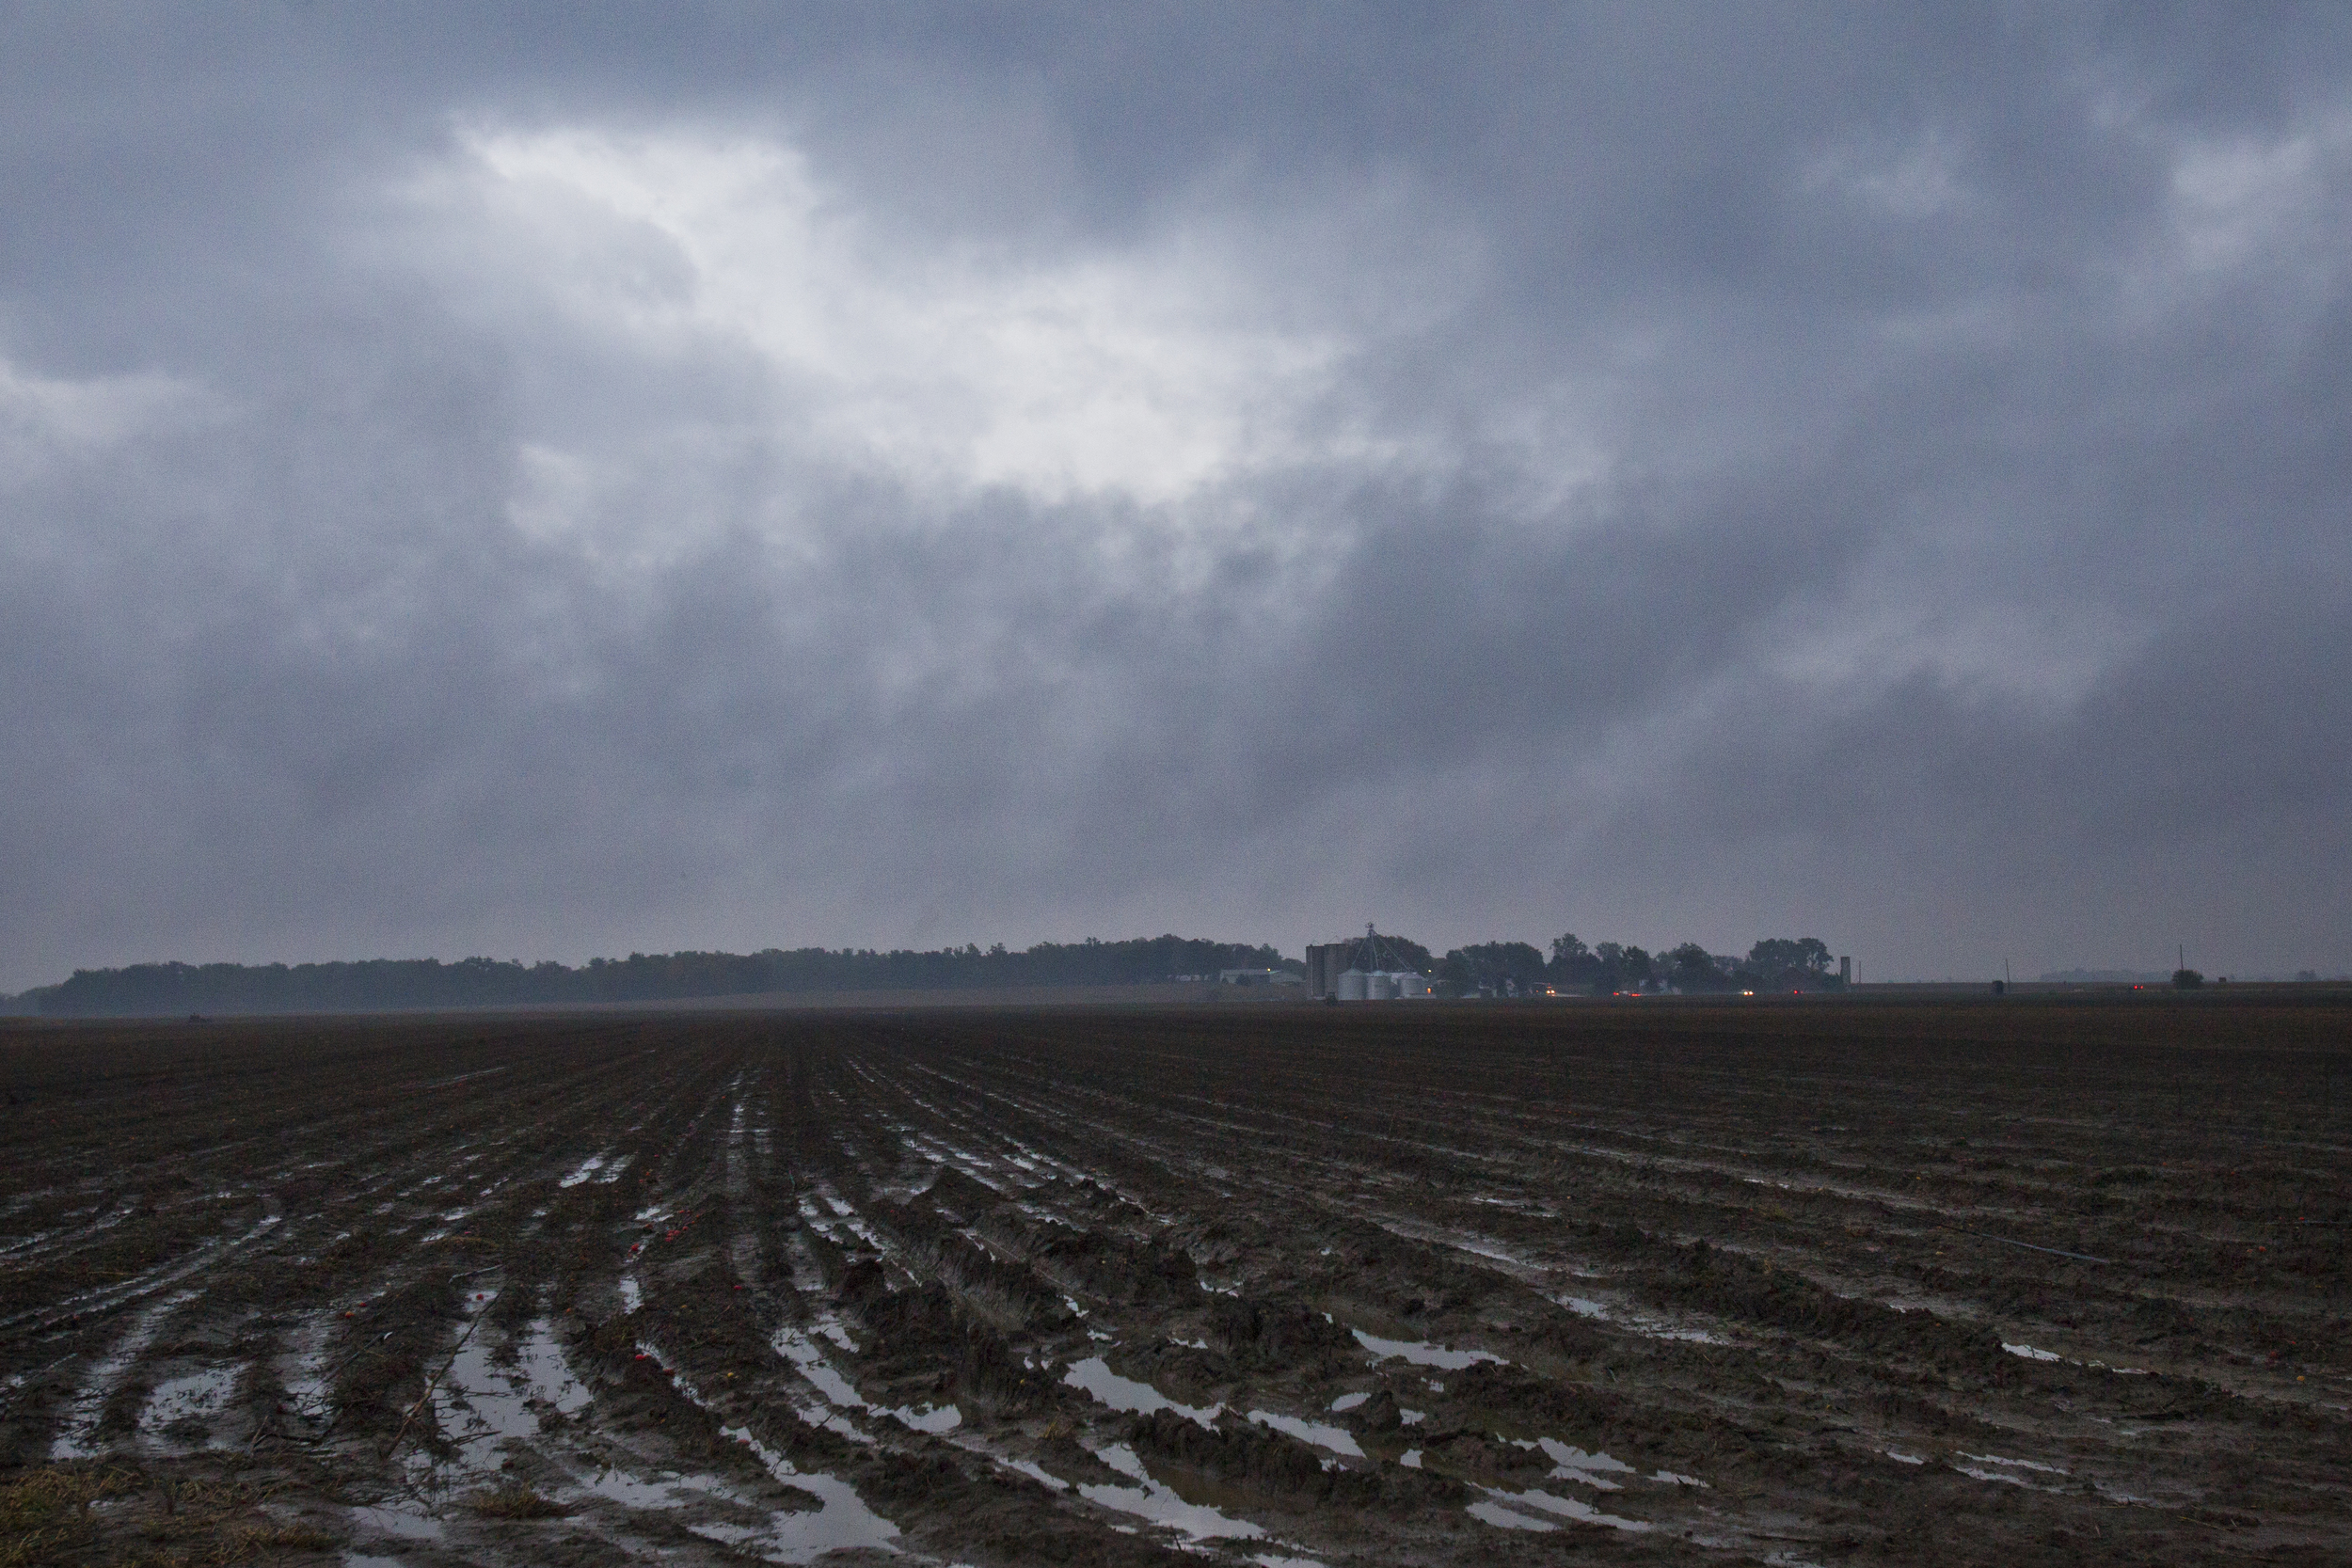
551, 483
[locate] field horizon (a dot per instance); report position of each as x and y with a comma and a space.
1857, 1279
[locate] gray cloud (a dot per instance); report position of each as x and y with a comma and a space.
553, 483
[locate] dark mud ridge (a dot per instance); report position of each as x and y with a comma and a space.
1802, 1284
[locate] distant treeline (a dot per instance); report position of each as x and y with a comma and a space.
1521, 969
377, 985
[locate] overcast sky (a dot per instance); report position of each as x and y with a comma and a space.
560, 480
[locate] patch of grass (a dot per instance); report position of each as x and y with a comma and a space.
44, 1512
45, 1518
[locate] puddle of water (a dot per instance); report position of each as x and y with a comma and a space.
1035, 1471
479, 1401
1318, 1433
843, 1523
2013, 1463
302, 1369
540, 1360
796, 1347
1571, 1463
1124, 1393
931, 1418
582, 1171
398, 1522
201, 1395
1349, 1402
1422, 1353
1411, 1458
78, 1437
1152, 1500
1568, 1508
1974, 1474
1502, 1518
661, 1492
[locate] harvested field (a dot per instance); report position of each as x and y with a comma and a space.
1804, 1282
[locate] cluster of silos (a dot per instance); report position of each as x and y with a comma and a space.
1380, 985
1352, 972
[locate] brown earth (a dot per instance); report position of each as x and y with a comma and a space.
1842, 1281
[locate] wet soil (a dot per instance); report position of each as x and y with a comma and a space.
1826, 1282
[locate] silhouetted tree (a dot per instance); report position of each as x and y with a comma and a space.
1691, 968
1572, 963
1503, 968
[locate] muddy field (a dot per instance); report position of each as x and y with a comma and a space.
1822, 1283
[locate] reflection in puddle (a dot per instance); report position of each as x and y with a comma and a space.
78, 1438
197, 1397
1124, 1393
1154, 1501
1320, 1433
1422, 1353
794, 1346
798, 1348
841, 1522
1496, 1515
581, 1172
1035, 1471
1545, 1503
2014, 1464
1570, 1462
2004, 1474
397, 1522
482, 1402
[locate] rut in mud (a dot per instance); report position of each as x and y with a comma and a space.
1803, 1283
